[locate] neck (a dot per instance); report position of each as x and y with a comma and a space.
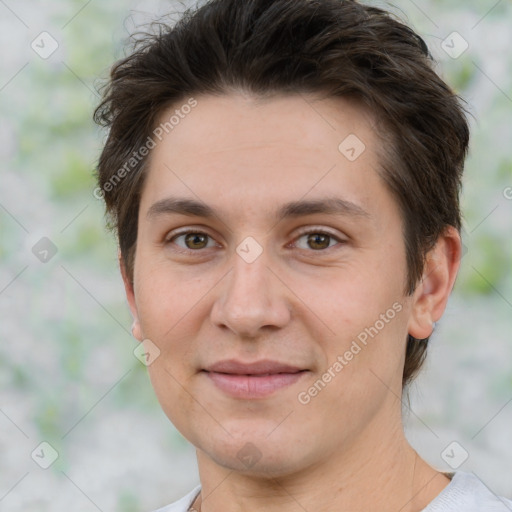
354, 479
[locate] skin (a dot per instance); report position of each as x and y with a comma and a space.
297, 303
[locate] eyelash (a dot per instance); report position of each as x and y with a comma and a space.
170, 240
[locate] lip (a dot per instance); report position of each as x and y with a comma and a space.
265, 366
253, 380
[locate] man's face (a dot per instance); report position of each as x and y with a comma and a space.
305, 290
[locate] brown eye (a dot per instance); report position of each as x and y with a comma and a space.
191, 240
196, 240
317, 240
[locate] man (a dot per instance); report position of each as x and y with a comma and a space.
283, 177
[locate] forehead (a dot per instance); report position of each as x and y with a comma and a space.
221, 123
229, 148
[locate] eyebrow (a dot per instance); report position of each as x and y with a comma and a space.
293, 209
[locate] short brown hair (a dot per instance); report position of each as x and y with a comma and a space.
337, 48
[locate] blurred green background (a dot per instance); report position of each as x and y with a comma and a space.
68, 375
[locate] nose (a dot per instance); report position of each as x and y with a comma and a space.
251, 298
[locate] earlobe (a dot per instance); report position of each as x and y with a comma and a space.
130, 297
432, 293
136, 331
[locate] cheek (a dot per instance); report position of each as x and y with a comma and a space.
367, 318
363, 370
168, 312
355, 297
165, 299
172, 392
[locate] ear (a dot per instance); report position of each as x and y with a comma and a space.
431, 294
130, 296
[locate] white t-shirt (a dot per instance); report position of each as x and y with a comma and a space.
465, 493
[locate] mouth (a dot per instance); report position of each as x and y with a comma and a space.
253, 380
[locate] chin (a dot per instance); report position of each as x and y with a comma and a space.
256, 463
257, 453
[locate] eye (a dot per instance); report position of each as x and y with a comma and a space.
192, 240
317, 240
